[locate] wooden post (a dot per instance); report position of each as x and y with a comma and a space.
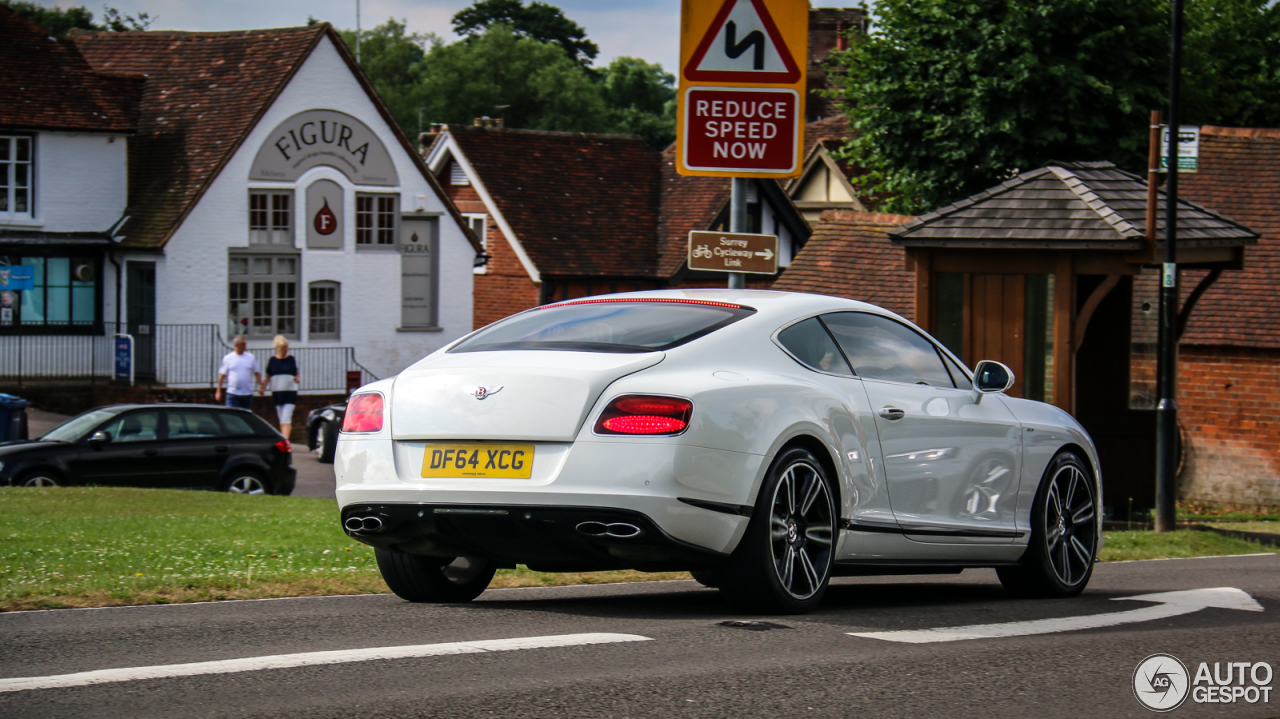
924, 289
1064, 312
1153, 180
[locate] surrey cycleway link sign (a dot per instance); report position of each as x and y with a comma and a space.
733, 252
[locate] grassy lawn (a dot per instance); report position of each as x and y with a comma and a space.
1267, 527
84, 547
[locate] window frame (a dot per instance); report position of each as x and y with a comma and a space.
937, 349
93, 326
277, 279
270, 215
482, 235
8, 167
777, 340
337, 310
376, 231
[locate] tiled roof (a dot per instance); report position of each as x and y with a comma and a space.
581, 205
204, 93
850, 255
1239, 174
1066, 205
830, 131
687, 203
45, 84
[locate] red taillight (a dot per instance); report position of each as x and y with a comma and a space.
364, 413
645, 414
284, 446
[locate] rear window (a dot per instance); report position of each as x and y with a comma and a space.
606, 326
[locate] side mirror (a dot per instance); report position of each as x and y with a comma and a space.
98, 438
990, 377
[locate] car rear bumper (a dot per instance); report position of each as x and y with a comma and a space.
653, 480
544, 538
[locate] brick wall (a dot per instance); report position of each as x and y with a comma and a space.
1229, 409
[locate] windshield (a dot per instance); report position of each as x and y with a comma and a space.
606, 326
76, 427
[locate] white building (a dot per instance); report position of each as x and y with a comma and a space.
194, 186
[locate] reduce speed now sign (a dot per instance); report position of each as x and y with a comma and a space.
742, 87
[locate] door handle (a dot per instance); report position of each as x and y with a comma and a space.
149, 452
892, 413
220, 448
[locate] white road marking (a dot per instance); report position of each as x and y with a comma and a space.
1170, 604
307, 659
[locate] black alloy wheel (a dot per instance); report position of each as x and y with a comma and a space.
1064, 534
39, 478
783, 563
416, 578
246, 482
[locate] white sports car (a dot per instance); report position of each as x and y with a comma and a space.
764, 441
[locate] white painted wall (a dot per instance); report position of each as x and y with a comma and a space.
81, 182
191, 278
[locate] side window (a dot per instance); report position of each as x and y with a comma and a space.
192, 425
135, 427
957, 373
235, 425
810, 343
881, 348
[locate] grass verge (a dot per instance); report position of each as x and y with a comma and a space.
95, 547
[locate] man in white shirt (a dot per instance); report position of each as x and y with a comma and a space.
241, 373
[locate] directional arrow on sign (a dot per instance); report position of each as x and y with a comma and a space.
767, 254
1168, 604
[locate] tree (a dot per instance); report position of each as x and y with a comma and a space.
953, 96
59, 21
537, 20
1231, 62
392, 59
530, 84
642, 98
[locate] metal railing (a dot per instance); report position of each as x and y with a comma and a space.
178, 355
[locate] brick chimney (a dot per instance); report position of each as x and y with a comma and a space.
827, 30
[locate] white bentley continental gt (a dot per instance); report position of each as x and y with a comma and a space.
764, 441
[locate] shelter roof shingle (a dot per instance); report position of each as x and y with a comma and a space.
1239, 173
850, 255
46, 84
581, 204
1066, 205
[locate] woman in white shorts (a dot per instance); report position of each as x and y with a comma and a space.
282, 378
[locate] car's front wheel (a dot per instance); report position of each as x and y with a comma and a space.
783, 563
1064, 534
434, 579
39, 478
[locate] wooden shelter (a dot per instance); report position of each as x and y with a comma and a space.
1053, 274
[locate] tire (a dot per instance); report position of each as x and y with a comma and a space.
40, 478
327, 441
416, 578
244, 481
1064, 534
706, 577
783, 563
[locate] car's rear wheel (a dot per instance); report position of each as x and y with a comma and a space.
1064, 534
434, 579
40, 478
246, 482
783, 563
326, 441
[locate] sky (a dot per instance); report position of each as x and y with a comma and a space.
647, 29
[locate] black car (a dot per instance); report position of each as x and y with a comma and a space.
171, 445
322, 430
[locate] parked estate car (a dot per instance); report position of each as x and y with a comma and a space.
765, 441
323, 425
171, 445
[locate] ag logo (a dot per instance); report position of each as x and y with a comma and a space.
1161, 682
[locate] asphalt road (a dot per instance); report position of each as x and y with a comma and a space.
689, 666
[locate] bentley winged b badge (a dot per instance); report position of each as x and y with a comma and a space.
482, 392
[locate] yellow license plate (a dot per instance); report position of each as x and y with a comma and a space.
514, 461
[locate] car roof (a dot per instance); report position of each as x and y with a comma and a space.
165, 405
767, 303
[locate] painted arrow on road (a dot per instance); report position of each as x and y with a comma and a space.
1168, 604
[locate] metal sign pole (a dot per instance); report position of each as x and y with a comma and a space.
1167, 409
738, 223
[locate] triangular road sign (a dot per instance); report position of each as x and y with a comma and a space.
742, 45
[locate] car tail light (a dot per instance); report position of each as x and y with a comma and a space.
284, 446
364, 413
641, 414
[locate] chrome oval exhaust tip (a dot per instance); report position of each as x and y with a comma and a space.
353, 524
613, 530
371, 524
593, 529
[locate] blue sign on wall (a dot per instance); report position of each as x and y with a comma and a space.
17, 277
124, 358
